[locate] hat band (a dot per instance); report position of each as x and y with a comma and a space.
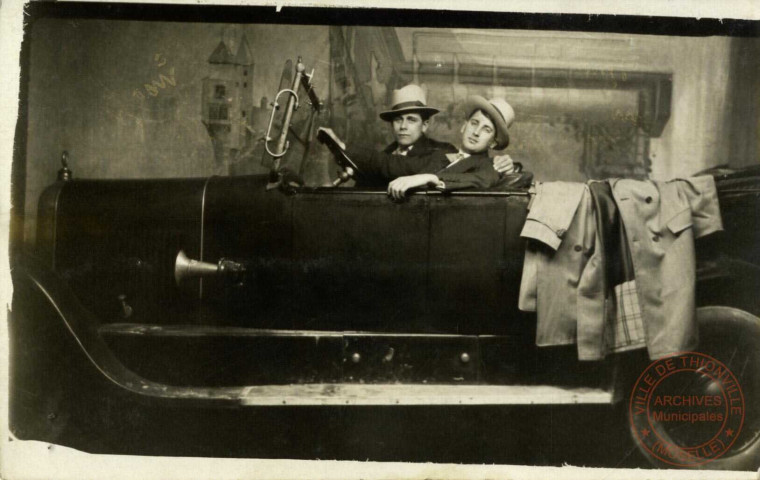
498, 111
402, 105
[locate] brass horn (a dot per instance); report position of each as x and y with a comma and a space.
185, 267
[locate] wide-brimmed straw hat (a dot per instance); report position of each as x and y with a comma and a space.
409, 99
500, 111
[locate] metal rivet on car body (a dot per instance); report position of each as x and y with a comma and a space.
356, 358
465, 357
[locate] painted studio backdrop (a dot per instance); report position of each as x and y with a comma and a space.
130, 99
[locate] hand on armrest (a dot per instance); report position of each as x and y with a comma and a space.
398, 187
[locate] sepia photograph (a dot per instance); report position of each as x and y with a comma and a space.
385, 235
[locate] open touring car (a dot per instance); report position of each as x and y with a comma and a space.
217, 317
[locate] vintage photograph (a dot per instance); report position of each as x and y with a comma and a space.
387, 236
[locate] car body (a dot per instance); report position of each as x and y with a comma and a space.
345, 304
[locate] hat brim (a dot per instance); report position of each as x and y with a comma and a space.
476, 102
391, 114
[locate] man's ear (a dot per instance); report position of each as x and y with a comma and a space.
425, 125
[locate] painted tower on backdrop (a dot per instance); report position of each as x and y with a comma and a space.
227, 102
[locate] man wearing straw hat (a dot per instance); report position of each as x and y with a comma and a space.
486, 127
409, 117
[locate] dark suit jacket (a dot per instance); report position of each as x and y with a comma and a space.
475, 171
424, 146
370, 162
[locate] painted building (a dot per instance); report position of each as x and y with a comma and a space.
228, 102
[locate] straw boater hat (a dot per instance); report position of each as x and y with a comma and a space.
408, 99
500, 112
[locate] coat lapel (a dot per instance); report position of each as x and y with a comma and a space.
464, 165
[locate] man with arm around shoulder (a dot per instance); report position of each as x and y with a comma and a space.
486, 127
409, 118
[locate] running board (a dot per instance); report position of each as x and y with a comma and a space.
82, 325
395, 394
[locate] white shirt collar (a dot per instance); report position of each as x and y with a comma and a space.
400, 150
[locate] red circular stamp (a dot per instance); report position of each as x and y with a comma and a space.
686, 409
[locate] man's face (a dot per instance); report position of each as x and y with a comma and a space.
408, 128
478, 133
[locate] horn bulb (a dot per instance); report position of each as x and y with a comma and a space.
185, 267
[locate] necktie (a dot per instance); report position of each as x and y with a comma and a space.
402, 150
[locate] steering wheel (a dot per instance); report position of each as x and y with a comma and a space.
346, 166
